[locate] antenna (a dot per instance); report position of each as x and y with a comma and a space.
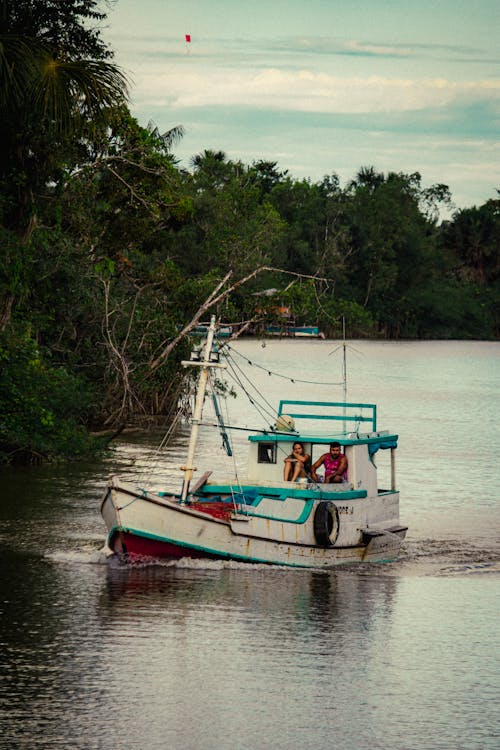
344, 362
344, 370
344, 346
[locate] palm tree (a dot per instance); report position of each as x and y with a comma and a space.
53, 104
368, 177
48, 102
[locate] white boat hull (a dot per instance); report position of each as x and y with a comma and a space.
292, 532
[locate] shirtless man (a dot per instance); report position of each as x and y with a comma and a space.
335, 464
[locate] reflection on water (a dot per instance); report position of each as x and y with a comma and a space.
111, 657
223, 655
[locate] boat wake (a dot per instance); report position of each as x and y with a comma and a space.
83, 556
437, 557
418, 557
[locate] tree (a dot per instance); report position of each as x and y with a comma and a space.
53, 104
57, 91
41, 407
72, 26
473, 236
394, 247
234, 226
53, 100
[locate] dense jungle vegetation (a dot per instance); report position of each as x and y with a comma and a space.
110, 252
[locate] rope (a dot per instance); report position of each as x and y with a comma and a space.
122, 507
261, 409
231, 445
278, 374
152, 462
272, 410
235, 467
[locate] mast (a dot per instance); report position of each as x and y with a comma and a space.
344, 371
210, 359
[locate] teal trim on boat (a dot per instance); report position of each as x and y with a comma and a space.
292, 437
384, 444
281, 494
346, 415
306, 512
287, 330
311, 330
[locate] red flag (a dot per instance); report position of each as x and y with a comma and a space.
188, 37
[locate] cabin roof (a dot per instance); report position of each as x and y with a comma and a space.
328, 414
343, 439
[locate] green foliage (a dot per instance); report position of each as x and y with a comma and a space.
452, 309
53, 99
312, 303
233, 226
41, 407
71, 25
15, 262
473, 238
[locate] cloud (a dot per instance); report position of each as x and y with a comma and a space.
409, 92
218, 47
304, 90
377, 50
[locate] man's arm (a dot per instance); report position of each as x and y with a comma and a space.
342, 467
316, 465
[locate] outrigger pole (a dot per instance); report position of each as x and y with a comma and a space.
210, 359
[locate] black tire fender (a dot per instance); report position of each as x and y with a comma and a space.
326, 524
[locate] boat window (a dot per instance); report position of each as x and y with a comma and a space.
267, 453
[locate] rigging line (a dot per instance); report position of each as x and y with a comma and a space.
252, 401
234, 372
261, 409
153, 457
227, 456
269, 431
279, 374
226, 443
271, 407
235, 467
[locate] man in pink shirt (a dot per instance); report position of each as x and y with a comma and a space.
335, 464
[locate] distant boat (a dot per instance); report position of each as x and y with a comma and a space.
311, 332
264, 519
283, 313
223, 331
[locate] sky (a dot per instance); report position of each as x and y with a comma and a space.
323, 86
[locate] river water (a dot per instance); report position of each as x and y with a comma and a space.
221, 656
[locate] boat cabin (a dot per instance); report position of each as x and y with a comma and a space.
268, 450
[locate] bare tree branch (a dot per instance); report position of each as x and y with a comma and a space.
213, 299
193, 322
132, 191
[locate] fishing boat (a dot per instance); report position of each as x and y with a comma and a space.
304, 332
223, 332
264, 519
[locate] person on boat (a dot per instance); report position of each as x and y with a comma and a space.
297, 464
335, 464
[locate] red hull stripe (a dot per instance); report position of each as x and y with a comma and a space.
139, 547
